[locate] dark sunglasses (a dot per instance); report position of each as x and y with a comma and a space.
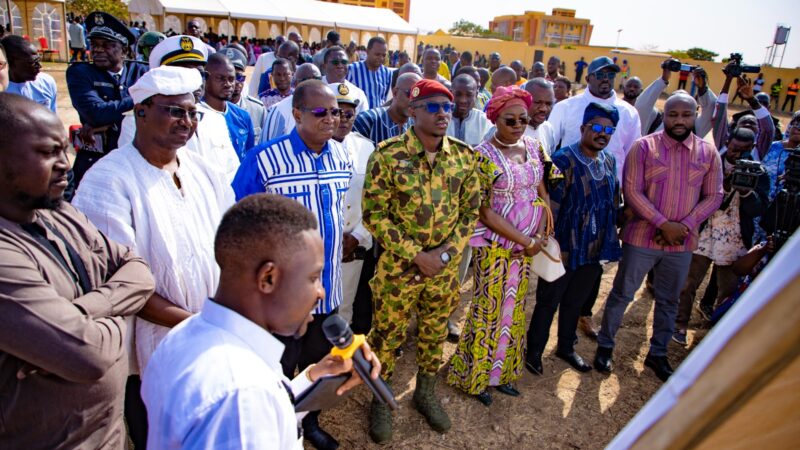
512, 122
434, 108
339, 62
240, 77
176, 112
347, 115
319, 113
605, 75
596, 127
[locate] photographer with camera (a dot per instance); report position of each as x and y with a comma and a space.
728, 233
646, 101
759, 121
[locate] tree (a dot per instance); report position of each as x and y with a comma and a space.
116, 8
701, 54
467, 28
678, 54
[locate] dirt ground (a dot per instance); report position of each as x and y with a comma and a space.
560, 410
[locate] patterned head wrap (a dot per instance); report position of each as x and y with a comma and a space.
505, 97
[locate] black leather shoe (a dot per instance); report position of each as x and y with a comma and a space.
507, 389
602, 360
453, 333
660, 365
484, 397
534, 364
319, 438
574, 360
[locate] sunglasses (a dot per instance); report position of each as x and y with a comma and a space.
176, 112
605, 75
339, 62
512, 122
241, 77
319, 113
434, 108
347, 115
596, 127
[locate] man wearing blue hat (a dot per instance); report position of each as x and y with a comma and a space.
566, 119
99, 90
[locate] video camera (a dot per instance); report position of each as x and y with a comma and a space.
735, 67
745, 175
673, 65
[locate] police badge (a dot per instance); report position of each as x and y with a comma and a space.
343, 89
186, 44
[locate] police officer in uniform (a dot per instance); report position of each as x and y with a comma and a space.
254, 107
99, 90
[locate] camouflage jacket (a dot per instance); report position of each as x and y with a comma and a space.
410, 206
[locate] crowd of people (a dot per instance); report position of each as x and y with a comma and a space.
179, 272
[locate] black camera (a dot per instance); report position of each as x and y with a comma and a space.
745, 175
736, 68
673, 65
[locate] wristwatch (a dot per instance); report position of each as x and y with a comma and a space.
445, 257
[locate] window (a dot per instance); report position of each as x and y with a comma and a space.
292, 29
274, 31
409, 46
173, 23
314, 35
16, 22
365, 37
247, 30
225, 27
47, 23
394, 43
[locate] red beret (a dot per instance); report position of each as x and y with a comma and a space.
429, 88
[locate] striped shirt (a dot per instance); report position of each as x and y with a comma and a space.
319, 182
376, 125
666, 180
375, 84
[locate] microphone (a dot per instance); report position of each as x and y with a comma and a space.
347, 345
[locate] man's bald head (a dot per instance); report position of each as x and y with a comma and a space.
407, 80
679, 99
308, 89
16, 113
307, 71
409, 68
295, 37
538, 70
503, 76
518, 67
218, 59
288, 50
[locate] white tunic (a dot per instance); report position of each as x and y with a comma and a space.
359, 148
211, 141
544, 134
139, 205
473, 130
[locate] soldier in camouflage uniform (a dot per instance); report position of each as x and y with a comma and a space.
421, 200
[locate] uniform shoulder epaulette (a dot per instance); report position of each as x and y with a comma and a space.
254, 100
457, 141
390, 141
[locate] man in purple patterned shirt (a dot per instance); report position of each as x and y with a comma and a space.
672, 180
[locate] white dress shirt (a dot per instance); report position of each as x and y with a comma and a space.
473, 130
216, 382
137, 204
211, 141
359, 149
544, 134
567, 118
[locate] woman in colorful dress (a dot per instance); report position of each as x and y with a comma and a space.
491, 347
585, 206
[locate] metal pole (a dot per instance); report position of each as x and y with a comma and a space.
10, 17
616, 47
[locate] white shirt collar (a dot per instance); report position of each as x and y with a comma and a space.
265, 345
591, 98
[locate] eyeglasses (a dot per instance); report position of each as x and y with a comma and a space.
596, 127
240, 77
605, 75
319, 113
347, 115
339, 62
434, 108
176, 112
512, 122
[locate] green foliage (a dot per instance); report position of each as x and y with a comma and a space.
678, 54
701, 54
116, 8
466, 28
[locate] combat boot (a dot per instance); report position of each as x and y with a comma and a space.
380, 422
427, 404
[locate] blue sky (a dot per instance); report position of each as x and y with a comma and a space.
721, 26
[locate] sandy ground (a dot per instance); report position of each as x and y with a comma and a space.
560, 410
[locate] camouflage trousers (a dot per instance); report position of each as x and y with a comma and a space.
394, 299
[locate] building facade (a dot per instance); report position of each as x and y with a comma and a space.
537, 28
401, 7
42, 22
